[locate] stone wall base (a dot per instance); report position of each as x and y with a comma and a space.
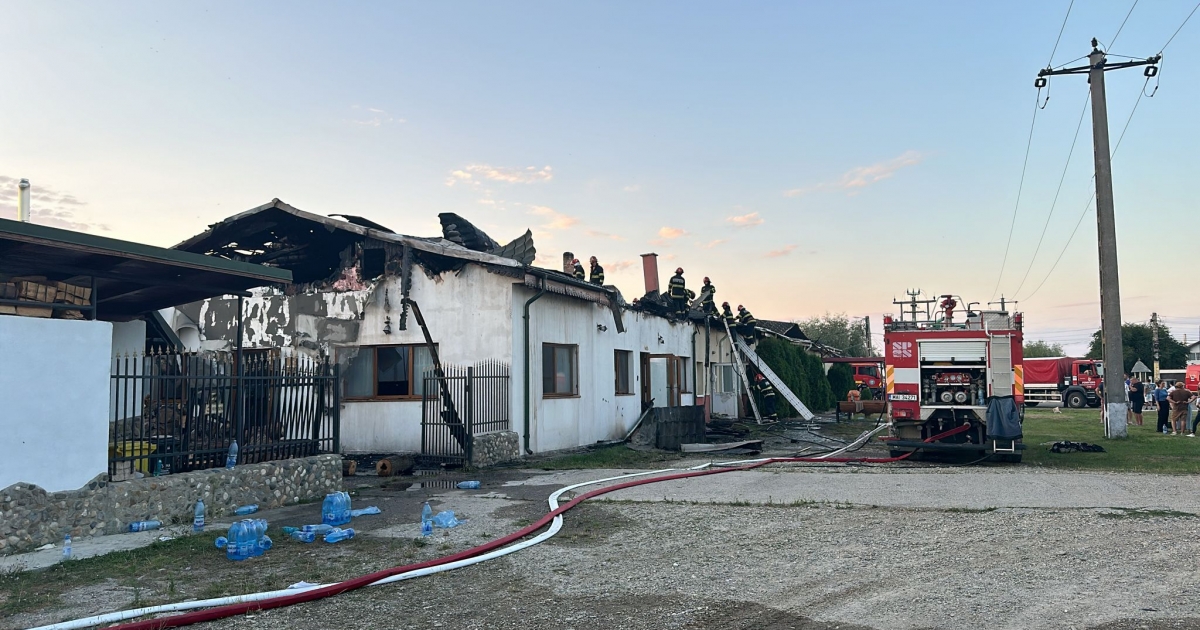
489, 449
31, 517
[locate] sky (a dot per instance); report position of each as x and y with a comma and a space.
809, 157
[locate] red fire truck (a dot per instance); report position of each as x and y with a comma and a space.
941, 368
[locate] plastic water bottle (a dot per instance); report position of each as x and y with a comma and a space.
142, 526
335, 509
302, 536
426, 520
198, 519
231, 459
365, 511
338, 534
468, 485
246, 509
158, 470
67, 547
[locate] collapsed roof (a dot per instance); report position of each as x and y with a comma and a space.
312, 246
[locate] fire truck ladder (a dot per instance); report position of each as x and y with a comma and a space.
741, 371
775, 380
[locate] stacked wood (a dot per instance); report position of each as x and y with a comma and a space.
28, 290
349, 467
395, 465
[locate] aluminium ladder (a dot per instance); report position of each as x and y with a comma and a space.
775, 380
741, 371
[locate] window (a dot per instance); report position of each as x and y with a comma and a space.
624, 363
374, 262
727, 383
386, 372
559, 365
683, 375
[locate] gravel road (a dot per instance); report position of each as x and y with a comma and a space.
932, 548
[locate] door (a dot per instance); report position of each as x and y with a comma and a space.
1001, 369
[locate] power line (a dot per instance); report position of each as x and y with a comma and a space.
1054, 203
1185, 21
1025, 163
1093, 197
1122, 27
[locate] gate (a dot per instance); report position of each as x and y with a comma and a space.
462, 403
179, 411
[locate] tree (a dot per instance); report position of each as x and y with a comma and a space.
1036, 349
1138, 343
841, 379
802, 372
838, 331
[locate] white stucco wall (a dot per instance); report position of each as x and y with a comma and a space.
128, 340
55, 375
597, 413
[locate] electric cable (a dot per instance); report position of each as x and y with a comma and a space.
1057, 192
1185, 21
1122, 27
1060, 32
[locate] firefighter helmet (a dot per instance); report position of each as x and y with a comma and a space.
593, 259
725, 304
706, 280
741, 308
679, 270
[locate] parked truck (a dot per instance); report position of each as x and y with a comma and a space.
1068, 381
941, 372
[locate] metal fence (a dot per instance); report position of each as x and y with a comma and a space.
176, 411
464, 402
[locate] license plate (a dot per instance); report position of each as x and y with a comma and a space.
903, 397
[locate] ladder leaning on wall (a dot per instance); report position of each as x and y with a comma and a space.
741, 370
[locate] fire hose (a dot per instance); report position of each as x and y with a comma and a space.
289, 597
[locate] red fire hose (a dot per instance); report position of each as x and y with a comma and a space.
222, 612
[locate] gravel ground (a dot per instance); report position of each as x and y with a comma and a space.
815, 549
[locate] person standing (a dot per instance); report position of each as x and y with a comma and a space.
1164, 407
1137, 398
768, 397
706, 297
578, 273
597, 272
746, 323
728, 316
677, 291
1179, 399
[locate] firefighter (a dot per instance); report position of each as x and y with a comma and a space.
746, 323
579, 274
767, 392
728, 316
597, 272
677, 291
706, 293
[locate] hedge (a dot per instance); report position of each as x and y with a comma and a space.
802, 372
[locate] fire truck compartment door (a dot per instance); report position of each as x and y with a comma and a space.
1002, 372
962, 351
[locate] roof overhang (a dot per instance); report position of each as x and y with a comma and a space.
131, 278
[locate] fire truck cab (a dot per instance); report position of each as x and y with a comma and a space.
941, 371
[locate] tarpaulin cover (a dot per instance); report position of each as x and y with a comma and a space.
1003, 418
1047, 371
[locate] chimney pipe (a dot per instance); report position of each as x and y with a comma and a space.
568, 263
650, 272
23, 201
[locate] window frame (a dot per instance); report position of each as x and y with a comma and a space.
374, 371
628, 365
574, 352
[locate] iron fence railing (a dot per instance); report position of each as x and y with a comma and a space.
464, 402
174, 411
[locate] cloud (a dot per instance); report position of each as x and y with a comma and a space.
776, 253
862, 176
599, 234
745, 220
555, 220
487, 202
712, 244
475, 173
47, 206
372, 117
669, 233
620, 265
632, 188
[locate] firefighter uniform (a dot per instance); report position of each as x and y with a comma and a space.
597, 274
767, 392
677, 291
706, 293
746, 323
579, 273
728, 316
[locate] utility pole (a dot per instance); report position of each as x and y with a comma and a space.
1003, 303
1154, 341
1116, 403
867, 331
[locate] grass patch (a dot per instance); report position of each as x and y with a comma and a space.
618, 456
1143, 451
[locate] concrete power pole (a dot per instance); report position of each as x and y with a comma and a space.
1115, 401
1154, 341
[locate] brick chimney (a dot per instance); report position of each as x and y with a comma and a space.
568, 267
650, 272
